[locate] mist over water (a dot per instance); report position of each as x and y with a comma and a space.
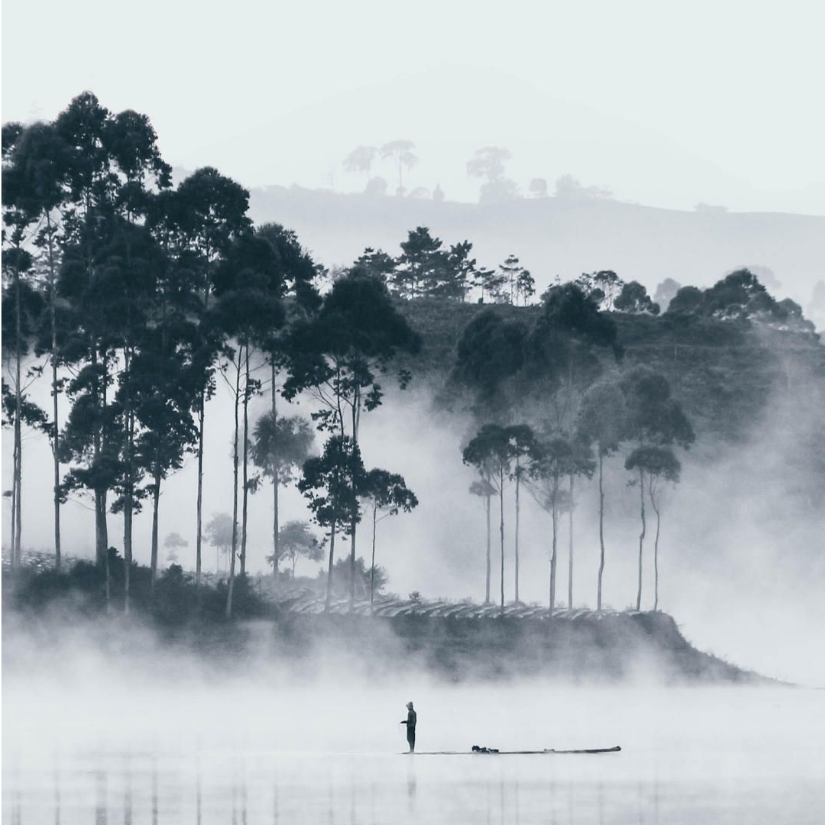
163, 746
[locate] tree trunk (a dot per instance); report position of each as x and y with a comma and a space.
101, 535
201, 420
601, 530
372, 566
13, 521
199, 533
108, 578
276, 481
127, 551
18, 485
101, 531
570, 548
18, 423
128, 496
518, 515
553, 557
641, 536
489, 539
501, 526
55, 419
155, 519
234, 548
656, 554
356, 409
329, 568
245, 464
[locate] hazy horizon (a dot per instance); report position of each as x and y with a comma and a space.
723, 115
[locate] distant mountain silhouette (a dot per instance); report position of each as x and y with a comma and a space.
554, 237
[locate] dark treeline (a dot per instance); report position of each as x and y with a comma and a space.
133, 298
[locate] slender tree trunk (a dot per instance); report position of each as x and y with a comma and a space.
329, 568
55, 410
641, 536
128, 497
601, 530
13, 520
501, 526
234, 495
18, 423
553, 557
108, 570
656, 553
155, 521
101, 537
199, 533
518, 516
276, 482
100, 528
201, 421
570, 549
245, 465
487, 589
356, 408
127, 551
372, 566
18, 486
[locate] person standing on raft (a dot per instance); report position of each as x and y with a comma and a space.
410, 722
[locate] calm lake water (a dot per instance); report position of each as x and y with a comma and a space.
331, 753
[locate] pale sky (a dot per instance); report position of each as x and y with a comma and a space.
666, 103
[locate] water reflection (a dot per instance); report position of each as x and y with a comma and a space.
217, 787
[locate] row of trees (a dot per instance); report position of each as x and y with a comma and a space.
428, 269
582, 411
141, 296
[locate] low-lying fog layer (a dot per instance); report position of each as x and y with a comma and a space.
231, 750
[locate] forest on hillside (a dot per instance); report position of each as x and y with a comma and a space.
135, 299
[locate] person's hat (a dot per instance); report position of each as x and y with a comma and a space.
409, 704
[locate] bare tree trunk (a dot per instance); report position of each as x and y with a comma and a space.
55, 419
276, 481
570, 549
101, 534
501, 526
372, 566
245, 465
553, 558
18, 424
356, 408
329, 568
601, 530
487, 590
128, 504
155, 520
656, 554
234, 549
108, 577
518, 514
13, 521
199, 533
641, 536
18, 499
127, 551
